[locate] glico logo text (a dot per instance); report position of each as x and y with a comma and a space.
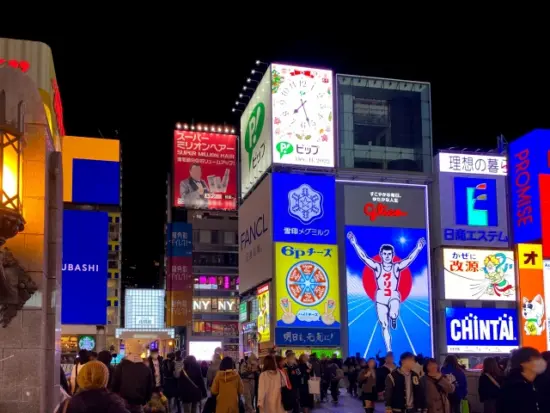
378, 209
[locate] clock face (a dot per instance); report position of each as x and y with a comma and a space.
302, 116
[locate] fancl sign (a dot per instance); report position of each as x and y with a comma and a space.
257, 228
481, 330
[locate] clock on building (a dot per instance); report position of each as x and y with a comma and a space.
302, 116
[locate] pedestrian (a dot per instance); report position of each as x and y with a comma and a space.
133, 380
367, 382
387, 365
403, 389
192, 399
214, 367
295, 376
436, 387
306, 372
353, 373
489, 384
455, 373
155, 362
169, 380
92, 394
269, 387
227, 387
106, 358
249, 369
521, 392
81, 359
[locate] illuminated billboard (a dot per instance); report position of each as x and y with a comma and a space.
387, 268
255, 238
304, 208
528, 159
546, 279
307, 295
205, 171
215, 305
481, 330
264, 323
473, 204
486, 275
303, 124
473, 164
84, 269
144, 308
255, 142
91, 170
532, 297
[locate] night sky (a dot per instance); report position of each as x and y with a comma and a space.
137, 86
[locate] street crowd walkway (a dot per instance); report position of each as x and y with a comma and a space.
346, 404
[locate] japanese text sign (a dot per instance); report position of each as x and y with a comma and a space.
300, 337
264, 318
179, 240
179, 274
529, 157
463, 163
380, 205
179, 308
546, 281
307, 286
479, 274
532, 297
304, 208
205, 170
473, 210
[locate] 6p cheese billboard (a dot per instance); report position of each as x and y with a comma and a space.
205, 170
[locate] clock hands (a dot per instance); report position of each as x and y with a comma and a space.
305, 113
300, 107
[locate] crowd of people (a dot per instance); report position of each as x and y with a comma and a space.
276, 384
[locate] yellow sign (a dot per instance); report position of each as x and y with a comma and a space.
530, 257
308, 293
263, 314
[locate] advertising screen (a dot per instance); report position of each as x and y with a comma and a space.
264, 326
473, 164
544, 183
532, 298
387, 266
91, 170
255, 143
304, 208
84, 270
528, 158
255, 238
546, 277
479, 274
205, 170
144, 308
180, 239
243, 312
481, 330
203, 350
303, 131
307, 294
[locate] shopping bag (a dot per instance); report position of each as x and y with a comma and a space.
464, 406
314, 385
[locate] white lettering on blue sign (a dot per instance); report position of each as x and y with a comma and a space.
80, 267
452, 234
472, 328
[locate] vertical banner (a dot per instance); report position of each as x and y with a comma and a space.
264, 318
388, 269
179, 274
544, 185
532, 299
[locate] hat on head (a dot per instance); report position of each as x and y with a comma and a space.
93, 375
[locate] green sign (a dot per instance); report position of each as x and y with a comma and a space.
86, 343
254, 130
243, 312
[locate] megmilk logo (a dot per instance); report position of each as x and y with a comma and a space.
254, 129
305, 204
476, 202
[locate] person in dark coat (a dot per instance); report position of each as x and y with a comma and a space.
295, 376
521, 391
489, 384
170, 389
105, 357
306, 399
155, 363
63, 381
403, 389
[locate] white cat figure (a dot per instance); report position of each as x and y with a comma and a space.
533, 314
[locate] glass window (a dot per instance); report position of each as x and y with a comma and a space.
215, 236
384, 124
205, 236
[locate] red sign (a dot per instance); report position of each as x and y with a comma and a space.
58, 108
378, 209
205, 170
22, 65
544, 188
179, 275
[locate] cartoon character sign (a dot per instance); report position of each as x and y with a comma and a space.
533, 315
388, 289
496, 270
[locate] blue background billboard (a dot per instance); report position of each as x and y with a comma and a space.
481, 330
528, 157
304, 208
84, 270
373, 301
180, 239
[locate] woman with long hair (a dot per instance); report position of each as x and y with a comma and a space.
269, 388
437, 387
489, 384
227, 387
367, 382
456, 375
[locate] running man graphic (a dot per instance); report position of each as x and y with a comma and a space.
387, 273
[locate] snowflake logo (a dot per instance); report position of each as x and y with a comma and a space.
305, 204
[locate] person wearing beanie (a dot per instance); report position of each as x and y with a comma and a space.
133, 380
92, 394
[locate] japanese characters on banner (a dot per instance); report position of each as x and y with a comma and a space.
303, 130
472, 198
487, 275
205, 171
481, 330
532, 298
307, 295
304, 208
388, 268
255, 237
264, 318
179, 274
255, 142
